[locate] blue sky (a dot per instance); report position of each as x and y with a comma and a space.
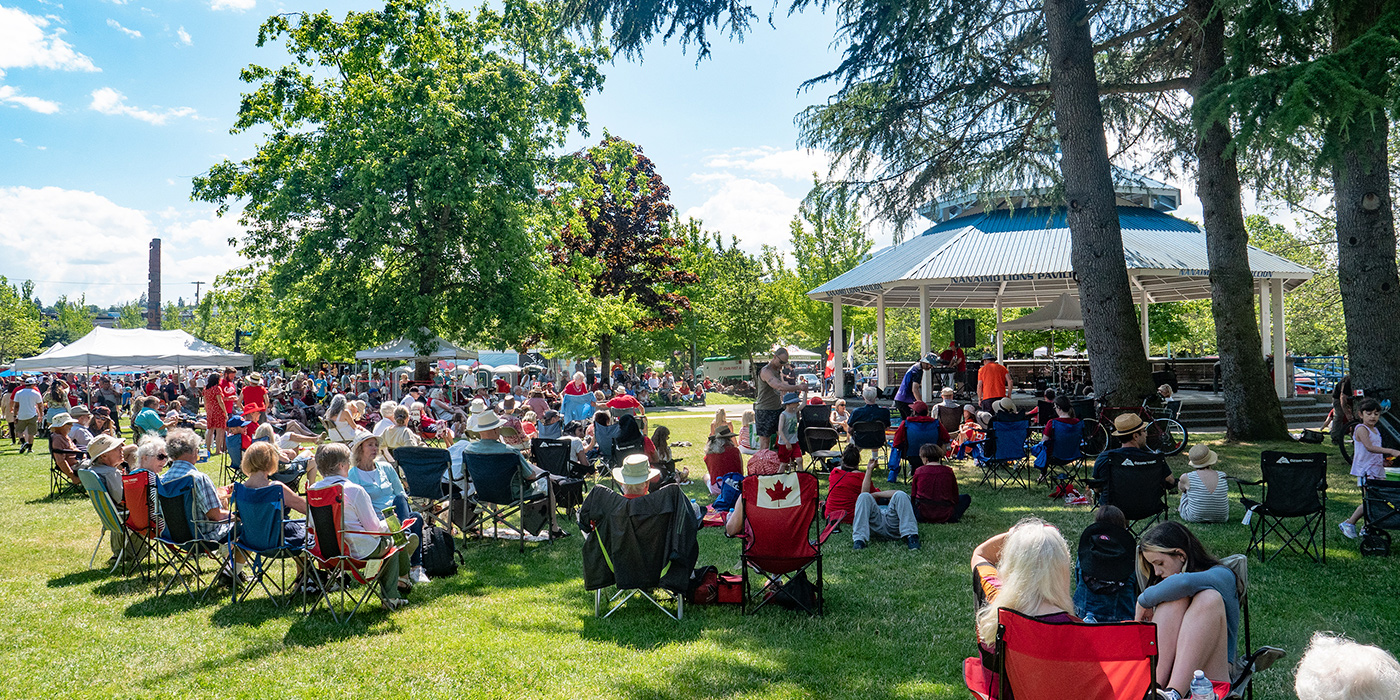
108, 108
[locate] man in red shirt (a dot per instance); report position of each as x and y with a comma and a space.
935, 489
991, 382
957, 359
847, 485
623, 402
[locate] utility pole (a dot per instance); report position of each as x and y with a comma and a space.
196, 292
153, 290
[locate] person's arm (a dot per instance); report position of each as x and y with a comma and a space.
293, 500
866, 480
735, 524
1187, 584
990, 551
979, 389
1363, 438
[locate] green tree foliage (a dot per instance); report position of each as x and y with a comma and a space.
395, 187
21, 327
1312, 313
72, 320
131, 316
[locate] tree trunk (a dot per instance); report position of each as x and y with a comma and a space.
605, 355
1252, 409
1366, 267
1120, 372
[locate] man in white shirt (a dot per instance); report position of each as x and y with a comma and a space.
29, 404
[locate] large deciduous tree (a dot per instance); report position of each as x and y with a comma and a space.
404, 149
21, 327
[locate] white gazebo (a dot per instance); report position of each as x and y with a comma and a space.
1016, 253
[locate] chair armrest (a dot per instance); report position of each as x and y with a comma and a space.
1096, 483
832, 523
1242, 482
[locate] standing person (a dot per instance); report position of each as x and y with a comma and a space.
768, 392
215, 417
1343, 409
7, 406
991, 381
957, 359
590, 372
789, 452
228, 387
29, 403
914, 377
1368, 456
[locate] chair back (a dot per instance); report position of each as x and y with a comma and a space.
492, 475
576, 406
1101, 661
177, 508
139, 489
821, 438
1010, 440
1065, 440
326, 505
101, 500
1293, 482
868, 434
815, 416
551, 456
950, 417
778, 513
259, 519
1044, 411
1381, 499
920, 433
335, 434
423, 469
1136, 485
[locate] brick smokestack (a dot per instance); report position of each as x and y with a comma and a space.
153, 292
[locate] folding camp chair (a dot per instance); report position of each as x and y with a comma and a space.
1003, 461
1380, 499
1037, 660
950, 417
1063, 446
423, 469
818, 416
869, 435
331, 565
1247, 663
1137, 489
632, 538
182, 548
59, 484
142, 515
497, 478
335, 434
554, 456
233, 458
778, 514
822, 444
1292, 486
109, 515
916, 435
258, 533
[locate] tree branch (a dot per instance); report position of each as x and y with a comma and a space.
1155, 86
1139, 33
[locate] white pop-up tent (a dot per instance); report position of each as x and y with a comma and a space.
402, 349
125, 350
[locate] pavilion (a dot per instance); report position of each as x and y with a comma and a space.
1011, 249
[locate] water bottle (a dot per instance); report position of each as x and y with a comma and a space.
1201, 687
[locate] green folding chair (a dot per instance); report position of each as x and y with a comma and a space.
112, 519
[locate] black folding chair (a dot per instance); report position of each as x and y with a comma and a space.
1136, 487
497, 479
822, 443
869, 435
180, 550
1292, 504
554, 457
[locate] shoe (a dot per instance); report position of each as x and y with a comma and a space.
1168, 694
559, 534
1348, 529
912, 541
858, 544
405, 585
392, 604
418, 575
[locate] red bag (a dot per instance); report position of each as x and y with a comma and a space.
709, 587
731, 589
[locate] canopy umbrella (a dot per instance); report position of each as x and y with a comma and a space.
507, 369
132, 349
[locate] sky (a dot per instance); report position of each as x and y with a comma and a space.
108, 108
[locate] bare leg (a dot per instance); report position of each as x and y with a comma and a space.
1356, 517
1168, 617
1195, 631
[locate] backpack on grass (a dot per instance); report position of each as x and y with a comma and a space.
439, 552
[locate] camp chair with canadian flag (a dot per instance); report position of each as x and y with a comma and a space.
779, 510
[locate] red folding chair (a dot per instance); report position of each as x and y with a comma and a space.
1049, 660
142, 517
332, 567
778, 513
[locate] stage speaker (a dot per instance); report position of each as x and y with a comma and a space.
965, 332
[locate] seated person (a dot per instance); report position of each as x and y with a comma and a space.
919, 414
721, 420
1205, 495
358, 514
1007, 411
840, 417
871, 411
400, 435
722, 457
102, 422
1026, 569
661, 456
604, 432
211, 515
1334, 668
259, 464
386, 417
935, 489
971, 430
550, 425
622, 402
1105, 585
108, 460
635, 476
1192, 599
63, 447
79, 433
1064, 415
488, 426
1131, 429
885, 514
148, 420
381, 481
946, 395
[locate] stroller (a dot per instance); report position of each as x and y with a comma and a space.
1105, 583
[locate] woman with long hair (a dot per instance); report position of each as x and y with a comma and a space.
215, 419
721, 421
1192, 599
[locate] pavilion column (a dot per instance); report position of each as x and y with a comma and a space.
880, 340
1146, 331
926, 388
838, 374
998, 329
1264, 330
1280, 352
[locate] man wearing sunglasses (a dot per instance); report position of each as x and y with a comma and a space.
768, 397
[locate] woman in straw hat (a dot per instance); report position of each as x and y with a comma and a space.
1205, 496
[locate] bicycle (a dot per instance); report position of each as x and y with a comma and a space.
1165, 435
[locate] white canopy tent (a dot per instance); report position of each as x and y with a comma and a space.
402, 349
1015, 252
132, 349
796, 354
1062, 314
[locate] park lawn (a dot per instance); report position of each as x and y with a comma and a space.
898, 623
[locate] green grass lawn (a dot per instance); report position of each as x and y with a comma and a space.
898, 623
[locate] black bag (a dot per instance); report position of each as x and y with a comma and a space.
439, 552
1375, 543
797, 594
1311, 437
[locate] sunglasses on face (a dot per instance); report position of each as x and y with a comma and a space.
163, 457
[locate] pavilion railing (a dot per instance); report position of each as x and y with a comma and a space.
1326, 370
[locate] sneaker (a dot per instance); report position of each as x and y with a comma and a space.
405, 586
1168, 694
858, 544
1349, 530
418, 575
912, 541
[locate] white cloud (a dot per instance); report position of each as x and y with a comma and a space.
118, 26
37, 104
24, 43
184, 36
105, 245
109, 101
794, 164
19, 141
758, 213
235, 5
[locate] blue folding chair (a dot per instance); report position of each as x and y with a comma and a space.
1062, 452
182, 549
497, 478
260, 533
1003, 461
916, 435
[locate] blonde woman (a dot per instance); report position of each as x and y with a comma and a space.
721, 421
398, 436
746, 439
1026, 569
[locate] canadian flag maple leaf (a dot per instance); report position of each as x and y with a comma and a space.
778, 491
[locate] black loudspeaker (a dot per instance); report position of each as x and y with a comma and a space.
965, 332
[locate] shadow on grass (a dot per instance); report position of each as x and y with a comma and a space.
78, 578
56, 498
